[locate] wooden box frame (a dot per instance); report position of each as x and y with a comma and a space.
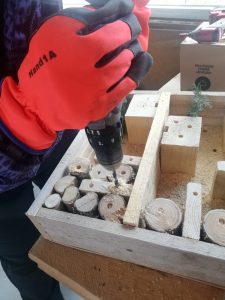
176, 255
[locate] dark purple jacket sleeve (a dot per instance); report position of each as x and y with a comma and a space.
18, 20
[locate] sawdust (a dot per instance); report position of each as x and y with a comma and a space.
174, 186
122, 189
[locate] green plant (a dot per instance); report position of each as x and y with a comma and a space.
199, 102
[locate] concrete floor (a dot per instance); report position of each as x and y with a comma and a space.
9, 292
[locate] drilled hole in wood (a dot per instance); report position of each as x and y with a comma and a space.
195, 193
180, 136
109, 205
99, 172
214, 150
78, 167
189, 126
156, 104
123, 172
204, 130
222, 221
91, 185
131, 159
161, 210
176, 122
129, 250
166, 128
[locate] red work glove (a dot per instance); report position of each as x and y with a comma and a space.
81, 63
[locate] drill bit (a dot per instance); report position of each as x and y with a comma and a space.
116, 179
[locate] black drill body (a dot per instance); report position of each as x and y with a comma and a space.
105, 138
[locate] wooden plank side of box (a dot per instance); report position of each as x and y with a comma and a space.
180, 256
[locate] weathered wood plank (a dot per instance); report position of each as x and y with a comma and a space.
160, 251
193, 210
115, 279
144, 189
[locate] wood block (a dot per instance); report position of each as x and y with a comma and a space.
218, 187
139, 117
214, 226
180, 143
64, 183
163, 215
193, 210
80, 167
70, 195
111, 208
87, 205
99, 172
53, 202
145, 185
103, 187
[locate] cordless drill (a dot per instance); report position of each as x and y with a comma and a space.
105, 138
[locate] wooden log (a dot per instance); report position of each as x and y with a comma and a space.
103, 187
130, 160
126, 173
218, 186
70, 195
163, 215
112, 208
64, 183
214, 226
80, 167
193, 209
180, 144
144, 189
99, 172
53, 202
139, 117
87, 205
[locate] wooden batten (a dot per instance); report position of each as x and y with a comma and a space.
193, 211
180, 144
144, 189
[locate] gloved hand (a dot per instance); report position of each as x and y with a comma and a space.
81, 63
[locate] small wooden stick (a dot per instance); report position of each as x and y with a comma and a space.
112, 208
64, 183
163, 215
53, 202
214, 226
70, 195
80, 167
87, 205
103, 187
192, 216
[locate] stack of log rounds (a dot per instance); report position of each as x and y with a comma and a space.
214, 226
63, 183
163, 215
124, 172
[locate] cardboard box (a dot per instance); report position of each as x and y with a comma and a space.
202, 63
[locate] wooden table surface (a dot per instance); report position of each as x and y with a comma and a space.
98, 277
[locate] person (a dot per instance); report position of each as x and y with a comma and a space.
57, 75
